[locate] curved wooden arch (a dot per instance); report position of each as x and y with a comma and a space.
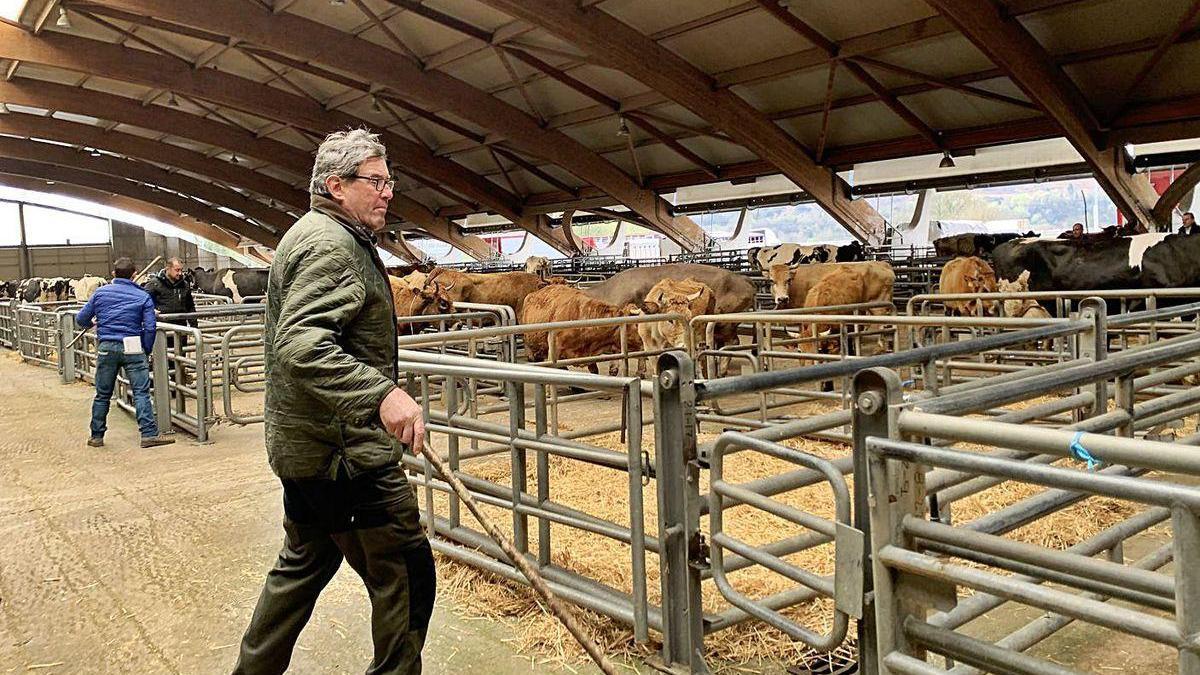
370, 62
115, 108
1175, 192
216, 226
144, 68
145, 149
46, 153
619, 46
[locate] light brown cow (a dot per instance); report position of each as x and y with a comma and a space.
790, 286
503, 288
968, 275
842, 286
564, 303
689, 298
539, 265
734, 292
418, 298
1027, 308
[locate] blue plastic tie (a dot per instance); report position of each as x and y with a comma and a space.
1081, 453
907, 383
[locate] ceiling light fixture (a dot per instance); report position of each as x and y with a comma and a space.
337, 3
947, 161
172, 102
63, 21
623, 130
94, 152
233, 158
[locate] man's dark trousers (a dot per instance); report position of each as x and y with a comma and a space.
371, 521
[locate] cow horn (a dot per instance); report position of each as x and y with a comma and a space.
434, 274
695, 295
448, 286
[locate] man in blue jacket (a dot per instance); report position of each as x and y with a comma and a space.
125, 317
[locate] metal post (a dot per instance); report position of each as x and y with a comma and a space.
543, 474
1185, 528
66, 347
897, 490
1126, 396
203, 390
516, 423
681, 558
450, 400
1093, 344
874, 391
161, 390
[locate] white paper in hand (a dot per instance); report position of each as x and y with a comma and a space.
133, 344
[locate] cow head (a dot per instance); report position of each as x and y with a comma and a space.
538, 265
781, 280
1017, 307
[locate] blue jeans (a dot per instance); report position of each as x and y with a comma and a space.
110, 359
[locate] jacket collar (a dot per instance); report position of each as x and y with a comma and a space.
327, 206
119, 280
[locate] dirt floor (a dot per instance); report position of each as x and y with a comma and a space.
128, 560
123, 560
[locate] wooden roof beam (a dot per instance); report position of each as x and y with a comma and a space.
617, 45
116, 185
126, 203
1015, 51
120, 63
310, 40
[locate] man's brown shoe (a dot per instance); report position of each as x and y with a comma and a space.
96, 442
155, 441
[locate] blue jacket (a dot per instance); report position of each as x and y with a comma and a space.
122, 309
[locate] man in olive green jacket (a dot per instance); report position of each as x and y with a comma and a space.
336, 423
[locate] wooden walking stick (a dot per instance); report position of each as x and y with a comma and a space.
559, 609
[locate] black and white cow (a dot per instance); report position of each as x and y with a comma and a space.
764, 257
238, 284
1154, 260
8, 289
30, 290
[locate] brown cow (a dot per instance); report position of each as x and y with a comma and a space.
503, 288
689, 298
968, 275
734, 292
539, 265
790, 286
564, 303
418, 298
1027, 308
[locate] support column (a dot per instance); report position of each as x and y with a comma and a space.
682, 555
23, 259
873, 394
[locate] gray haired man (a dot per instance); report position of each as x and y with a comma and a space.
336, 423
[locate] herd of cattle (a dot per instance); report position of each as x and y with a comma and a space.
51, 289
800, 276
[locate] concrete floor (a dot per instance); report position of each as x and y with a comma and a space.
123, 560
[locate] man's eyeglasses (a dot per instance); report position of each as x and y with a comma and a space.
380, 184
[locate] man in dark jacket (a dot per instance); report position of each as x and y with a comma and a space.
336, 423
124, 316
172, 295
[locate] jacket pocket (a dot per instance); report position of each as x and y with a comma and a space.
302, 446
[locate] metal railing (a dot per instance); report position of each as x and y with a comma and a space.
918, 563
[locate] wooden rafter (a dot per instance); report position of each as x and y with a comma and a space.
945, 83
1159, 52
1011, 47
386, 30
617, 45
310, 40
